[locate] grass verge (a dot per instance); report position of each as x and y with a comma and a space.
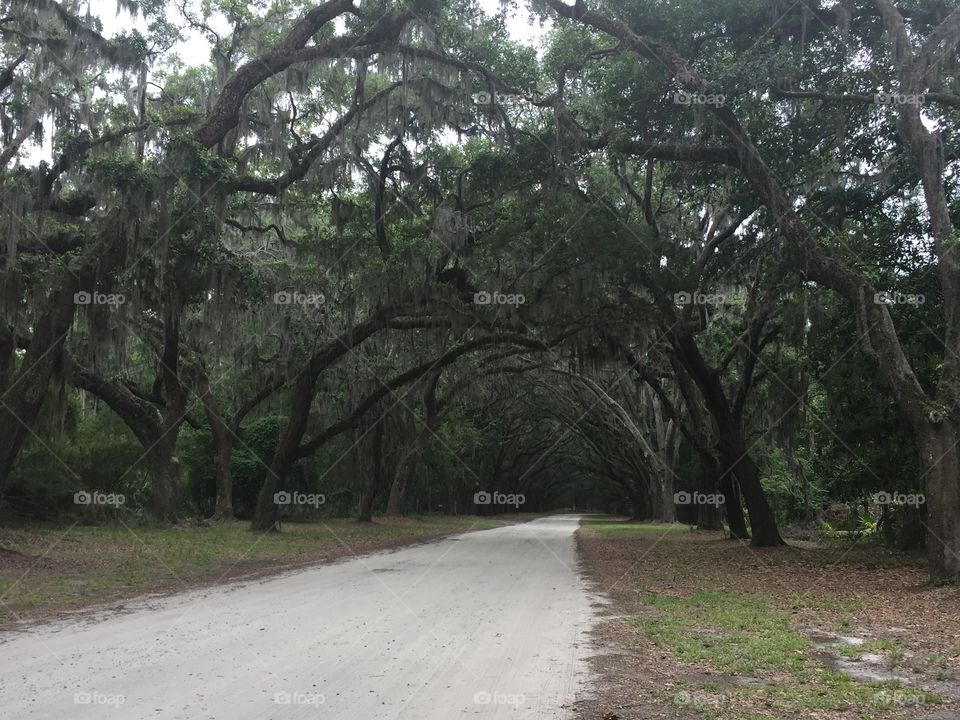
709, 628
48, 568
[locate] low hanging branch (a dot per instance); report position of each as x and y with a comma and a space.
293, 49
413, 374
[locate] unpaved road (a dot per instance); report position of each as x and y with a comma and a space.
490, 624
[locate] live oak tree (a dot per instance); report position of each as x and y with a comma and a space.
386, 226
924, 62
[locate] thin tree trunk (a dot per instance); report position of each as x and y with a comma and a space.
397, 501
222, 450
733, 506
267, 512
222, 436
374, 479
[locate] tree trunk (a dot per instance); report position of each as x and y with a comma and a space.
8, 356
367, 495
708, 516
222, 449
157, 429
940, 461
763, 523
374, 479
164, 468
733, 506
267, 513
731, 446
396, 502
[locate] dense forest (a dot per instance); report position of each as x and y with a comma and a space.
693, 261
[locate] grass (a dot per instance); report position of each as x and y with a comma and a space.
728, 624
606, 526
744, 636
734, 634
55, 567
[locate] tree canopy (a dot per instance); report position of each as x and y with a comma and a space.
670, 262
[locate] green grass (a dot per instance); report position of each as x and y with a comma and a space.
734, 634
619, 526
68, 566
745, 636
832, 690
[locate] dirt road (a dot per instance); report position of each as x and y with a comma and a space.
489, 624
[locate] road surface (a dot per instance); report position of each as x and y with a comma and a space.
489, 624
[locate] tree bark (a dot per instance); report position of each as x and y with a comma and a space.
940, 461
708, 516
267, 512
164, 467
731, 445
374, 478
733, 507
406, 469
397, 500
222, 449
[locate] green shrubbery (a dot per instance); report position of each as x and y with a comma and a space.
95, 452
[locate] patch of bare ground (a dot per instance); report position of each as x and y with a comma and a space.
872, 638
